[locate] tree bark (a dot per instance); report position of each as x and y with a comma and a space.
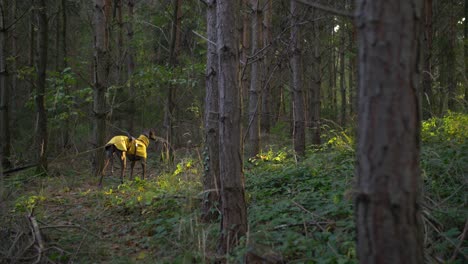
427, 96
131, 63
266, 116
211, 182
296, 83
101, 76
41, 67
255, 77
451, 58
4, 89
465, 38
388, 210
170, 101
342, 74
316, 84
66, 129
233, 210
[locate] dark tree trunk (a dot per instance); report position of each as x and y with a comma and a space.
233, 210
210, 204
4, 89
388, 209
451, 59
131, 63
41, 67
245, 49
342, 74
296, 83
101, 77
427, 97
266, 116
315, 87
170, 101
66, 129
465, 35
255, 77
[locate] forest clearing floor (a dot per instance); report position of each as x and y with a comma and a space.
298, 212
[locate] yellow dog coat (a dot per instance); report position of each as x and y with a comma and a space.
135, 147
138, 146
122, 143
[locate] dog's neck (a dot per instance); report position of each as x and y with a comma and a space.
145, 139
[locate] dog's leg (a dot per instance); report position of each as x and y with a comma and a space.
112, 162
123, 166
143, 167
132, 165
109, 154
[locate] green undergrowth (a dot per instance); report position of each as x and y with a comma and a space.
298, 211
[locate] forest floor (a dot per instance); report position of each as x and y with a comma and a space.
299, 212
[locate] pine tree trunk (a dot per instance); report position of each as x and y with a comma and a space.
296, 83
170, 101
101, 77
427, 97
41, 67
266, 116
465, 38
66, 129
342, 75
255, 76
233, 210
4, 90
388, 209
451, 59
315, 86
245, 49
211, 182
131, 63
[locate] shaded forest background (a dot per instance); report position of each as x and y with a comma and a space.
154, 67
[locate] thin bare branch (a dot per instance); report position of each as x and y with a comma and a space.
328, 9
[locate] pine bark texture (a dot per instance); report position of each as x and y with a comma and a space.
41, 67
131, 62
101, 76
266, 109
211, 181
233, 210
388, 211
342, 74
255, 77
315, 87
427, 95
296, 83
4, 90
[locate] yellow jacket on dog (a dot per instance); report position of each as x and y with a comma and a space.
138, 146
135, 147
122, 143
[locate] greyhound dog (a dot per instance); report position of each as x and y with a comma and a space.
127, 147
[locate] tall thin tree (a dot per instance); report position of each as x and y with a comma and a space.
101, 76
233, 210
388, 209
255, 78
315, 87
296, 82
427, 96
211, 184
4, 89
41, 67
266, 109
131, 61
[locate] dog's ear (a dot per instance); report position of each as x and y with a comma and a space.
152, 134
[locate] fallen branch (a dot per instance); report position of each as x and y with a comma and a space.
38, 237
462, 238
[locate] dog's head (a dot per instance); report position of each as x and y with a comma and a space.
151, 134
